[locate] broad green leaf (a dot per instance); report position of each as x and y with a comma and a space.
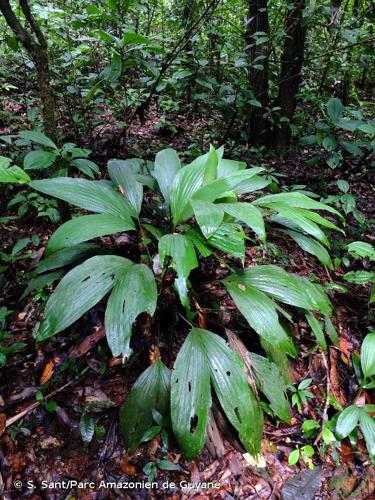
216, 188
210, 168
311, 246
347, 421
208, 215
335, 109
20, 245
190, 395
86, 166
39, 159
181, 249
260, 312
367, 426
333, 159
228, 167
232, 389
68, 256
270, 381
128, 184
133, 293
12, 174
298, 200
85, 228
361, 249
317, 330
199, 242
96, 196
167, 165
150, 392
37, 137
368, 355
79, 290
255, 183
351, 148
187, 181
248, 214
367, 128
229, 238
359, 277
112, 72
298, 220
134, 39
285, 287
293, 457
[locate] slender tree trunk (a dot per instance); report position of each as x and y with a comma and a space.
187, 21
35, 43
257, 122
291, 67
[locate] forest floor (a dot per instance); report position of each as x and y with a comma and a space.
40, 437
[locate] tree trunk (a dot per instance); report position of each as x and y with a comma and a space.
257, 122
37, 49
291, 67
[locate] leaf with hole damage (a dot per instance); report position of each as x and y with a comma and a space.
134, 292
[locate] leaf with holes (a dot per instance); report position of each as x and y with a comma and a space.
190, 395
134, 292
150, 392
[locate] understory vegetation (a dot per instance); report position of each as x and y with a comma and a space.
187, 258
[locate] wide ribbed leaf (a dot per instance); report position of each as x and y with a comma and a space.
181, 249
122, 177
368, 355
285, 287
228, 167
229, 238
233, 391
86, 227
347, 421
255, 183
96, 196
80, 290
134, 292
248, 214
39, 159
190, 395
367, 426
298, 220
311, 246
260, 312
150, 392
68, 256
270, 381
167, 165
298, 200
208, 215
187, 181
38, 137
215, 189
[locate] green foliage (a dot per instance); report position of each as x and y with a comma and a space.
205, 193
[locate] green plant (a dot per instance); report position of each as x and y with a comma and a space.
301, 394
329, 137
305, 453
195, 208
48, 155
33, 202
6, 346
358, 416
